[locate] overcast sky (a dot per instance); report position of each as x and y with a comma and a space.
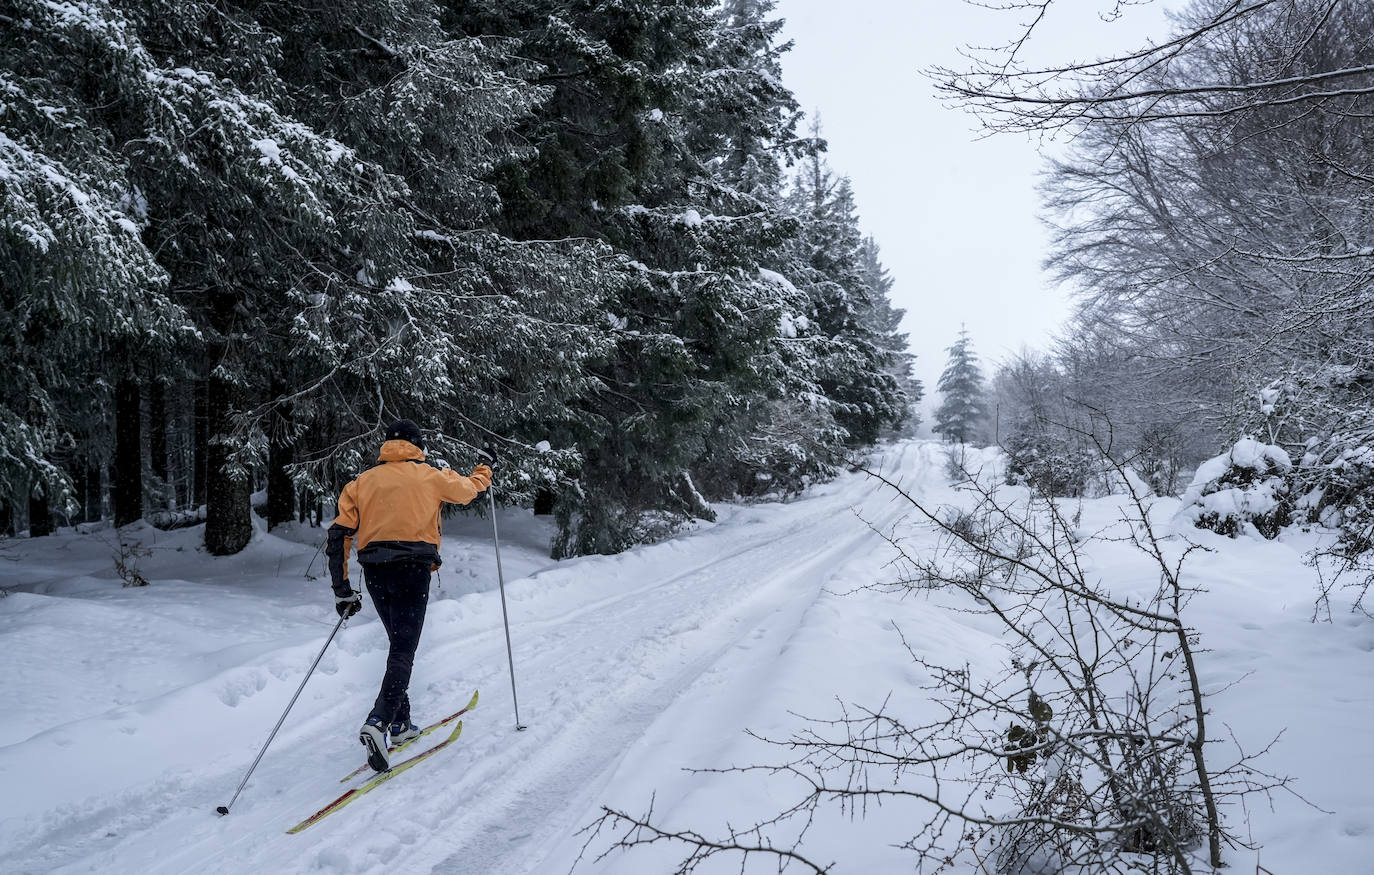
956, 216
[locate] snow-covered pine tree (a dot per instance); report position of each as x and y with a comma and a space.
657, 138
80, 294
706, 320
482, 336
608, 141
742, 132
853, 349
962, 412
746, 132
256, 216
885, 321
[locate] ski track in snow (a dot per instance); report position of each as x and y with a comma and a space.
604, 645
139, 710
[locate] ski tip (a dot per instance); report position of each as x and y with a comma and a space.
472, 703
223, 810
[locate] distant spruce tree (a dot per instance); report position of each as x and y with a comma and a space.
960, 415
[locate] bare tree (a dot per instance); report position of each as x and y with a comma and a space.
630, 831
1221, 255
1090, 752
1159, 81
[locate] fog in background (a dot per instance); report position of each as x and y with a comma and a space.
956, 215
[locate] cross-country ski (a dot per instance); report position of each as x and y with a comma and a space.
397, 748
392, 771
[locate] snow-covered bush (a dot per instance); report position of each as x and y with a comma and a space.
1048, 463
1338, 476
1246, 490
1356, 516
608, 527
1339, 489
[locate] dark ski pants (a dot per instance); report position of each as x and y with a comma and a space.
400, 592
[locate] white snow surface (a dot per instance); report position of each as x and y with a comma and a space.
787, 326
271, 152
773, 276
1250, 453
133, 712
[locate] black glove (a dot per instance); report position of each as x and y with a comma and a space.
487, 455
348, 605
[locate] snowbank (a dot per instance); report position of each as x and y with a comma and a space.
1243, 490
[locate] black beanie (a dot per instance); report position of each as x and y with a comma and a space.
405, 430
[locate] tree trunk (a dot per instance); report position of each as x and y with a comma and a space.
200, 450
543, 502
128, 453
281, 492
40, 518
157, 441
88, 486
6, 519
228, 506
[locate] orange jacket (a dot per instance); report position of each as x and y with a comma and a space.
391, 511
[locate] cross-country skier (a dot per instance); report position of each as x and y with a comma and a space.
391, 512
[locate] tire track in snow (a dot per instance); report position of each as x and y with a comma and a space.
521, 816
593, 677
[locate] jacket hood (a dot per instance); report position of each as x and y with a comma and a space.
400, 451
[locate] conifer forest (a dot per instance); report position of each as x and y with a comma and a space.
240, 239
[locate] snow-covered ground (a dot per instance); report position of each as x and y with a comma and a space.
133, 712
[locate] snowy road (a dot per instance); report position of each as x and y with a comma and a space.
136, 711
605, 647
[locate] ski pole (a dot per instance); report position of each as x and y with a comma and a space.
313, 558
501, 582
224, 809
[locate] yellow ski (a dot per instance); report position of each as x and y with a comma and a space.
381, 778
472, 703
